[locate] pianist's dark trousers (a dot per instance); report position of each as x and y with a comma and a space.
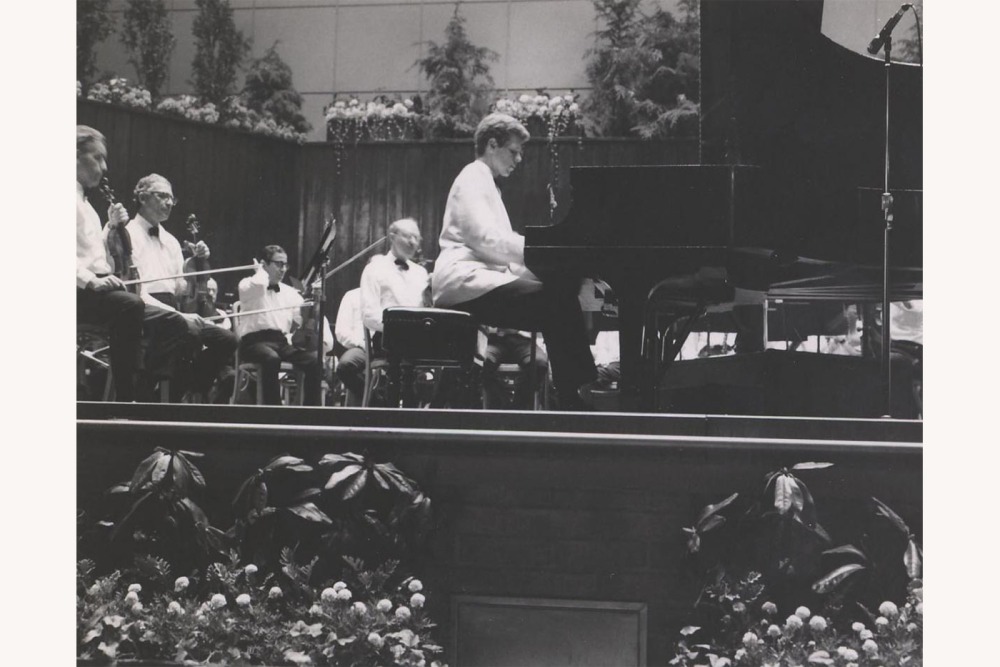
269, 348
122, 313
553, 309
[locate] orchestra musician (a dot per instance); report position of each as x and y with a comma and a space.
264, 336
481, 266
508, 346
156, 252
101, 297
394, 279
350, 333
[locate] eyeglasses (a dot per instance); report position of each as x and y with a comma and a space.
166, 197
280, 265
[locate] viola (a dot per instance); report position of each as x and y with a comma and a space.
119, 243
197, 298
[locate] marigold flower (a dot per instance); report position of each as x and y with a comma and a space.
870, 647
137, 607
881, 621
402, 612
740, 654
375, 639
218, 601
338, 586
888, 608
315, 610
415, 586
175, 608
383, 605
911, 627
180, 584
919, 608
750, 639
865, 634
769, 608
817, 623
739, 607
243, 600
417, 600
250, 569
359, 607
328, 595
803, 613
132, 597
773, 631
344, 594
857, 627
848, 653
135, 588
793, 622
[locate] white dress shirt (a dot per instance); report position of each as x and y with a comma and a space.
349, 327
156, 257
480, 251
385, 285
91, 253
255, 295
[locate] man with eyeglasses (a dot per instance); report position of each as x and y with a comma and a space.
208, 348
481, 266
264, 336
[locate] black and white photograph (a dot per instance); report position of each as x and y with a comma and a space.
501, 333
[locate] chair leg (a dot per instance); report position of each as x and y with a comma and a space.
109, 387
164, 391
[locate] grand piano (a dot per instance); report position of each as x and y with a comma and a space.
784, 205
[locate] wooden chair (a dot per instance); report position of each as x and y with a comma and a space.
249, 370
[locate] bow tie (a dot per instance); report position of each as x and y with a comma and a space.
273, 288
155, 231
402, 264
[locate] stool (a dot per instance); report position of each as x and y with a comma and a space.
428, 338
247, 370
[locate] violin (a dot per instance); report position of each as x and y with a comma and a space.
119, 243
197, 298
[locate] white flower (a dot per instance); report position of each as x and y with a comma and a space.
243, 600
250, 569
739, 607
919, 608
870, 646
888, 608
847, 653
218, 601
175, 608
415, 586
344, 594
397, 651
417, 600
817, 623
338, 586
328, 595
803, 613
315, 610
137, 607
865, 634
857, 627
359, 607
383, 605
274, 593
524, 99
402, 612
408, 103
773, 631
750, 639
93, 590
541, 100
769, 608
793, 622
132, 597
881, 621
555, 101
375, 639
134, 588
740, 654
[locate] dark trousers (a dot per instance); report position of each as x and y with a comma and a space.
269, 348
553, 309
122, 313
165, 337
512, 348
351, 370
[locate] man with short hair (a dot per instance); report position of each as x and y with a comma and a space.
264, 336
157, 253
481, 266
394, 279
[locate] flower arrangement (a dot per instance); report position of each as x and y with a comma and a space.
118, 91
237, 615
755, 633
236, 114
381, 119
190, 107
543, 115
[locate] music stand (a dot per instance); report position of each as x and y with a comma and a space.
317, 267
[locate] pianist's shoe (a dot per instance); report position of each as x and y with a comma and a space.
597, 394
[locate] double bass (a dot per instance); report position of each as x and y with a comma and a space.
197, 298
119, 243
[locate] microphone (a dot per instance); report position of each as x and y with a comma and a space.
883, 36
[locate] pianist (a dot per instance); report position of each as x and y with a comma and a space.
481, 266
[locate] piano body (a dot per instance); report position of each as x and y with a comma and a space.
786, 202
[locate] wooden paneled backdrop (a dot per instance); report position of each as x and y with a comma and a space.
249, 190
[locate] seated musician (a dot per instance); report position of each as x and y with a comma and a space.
393, 279
157, 253
264, 336
509, 346
213, 293
481, 266
350, 333
100, 296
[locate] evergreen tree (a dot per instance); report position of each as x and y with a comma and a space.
149, 42
269, 91
219, 51
94, 24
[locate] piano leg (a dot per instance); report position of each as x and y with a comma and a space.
635, 387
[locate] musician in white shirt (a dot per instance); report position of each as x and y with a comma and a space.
394, 279
350, 332
264, 336
481, 266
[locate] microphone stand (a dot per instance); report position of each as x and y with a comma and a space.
887, 217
